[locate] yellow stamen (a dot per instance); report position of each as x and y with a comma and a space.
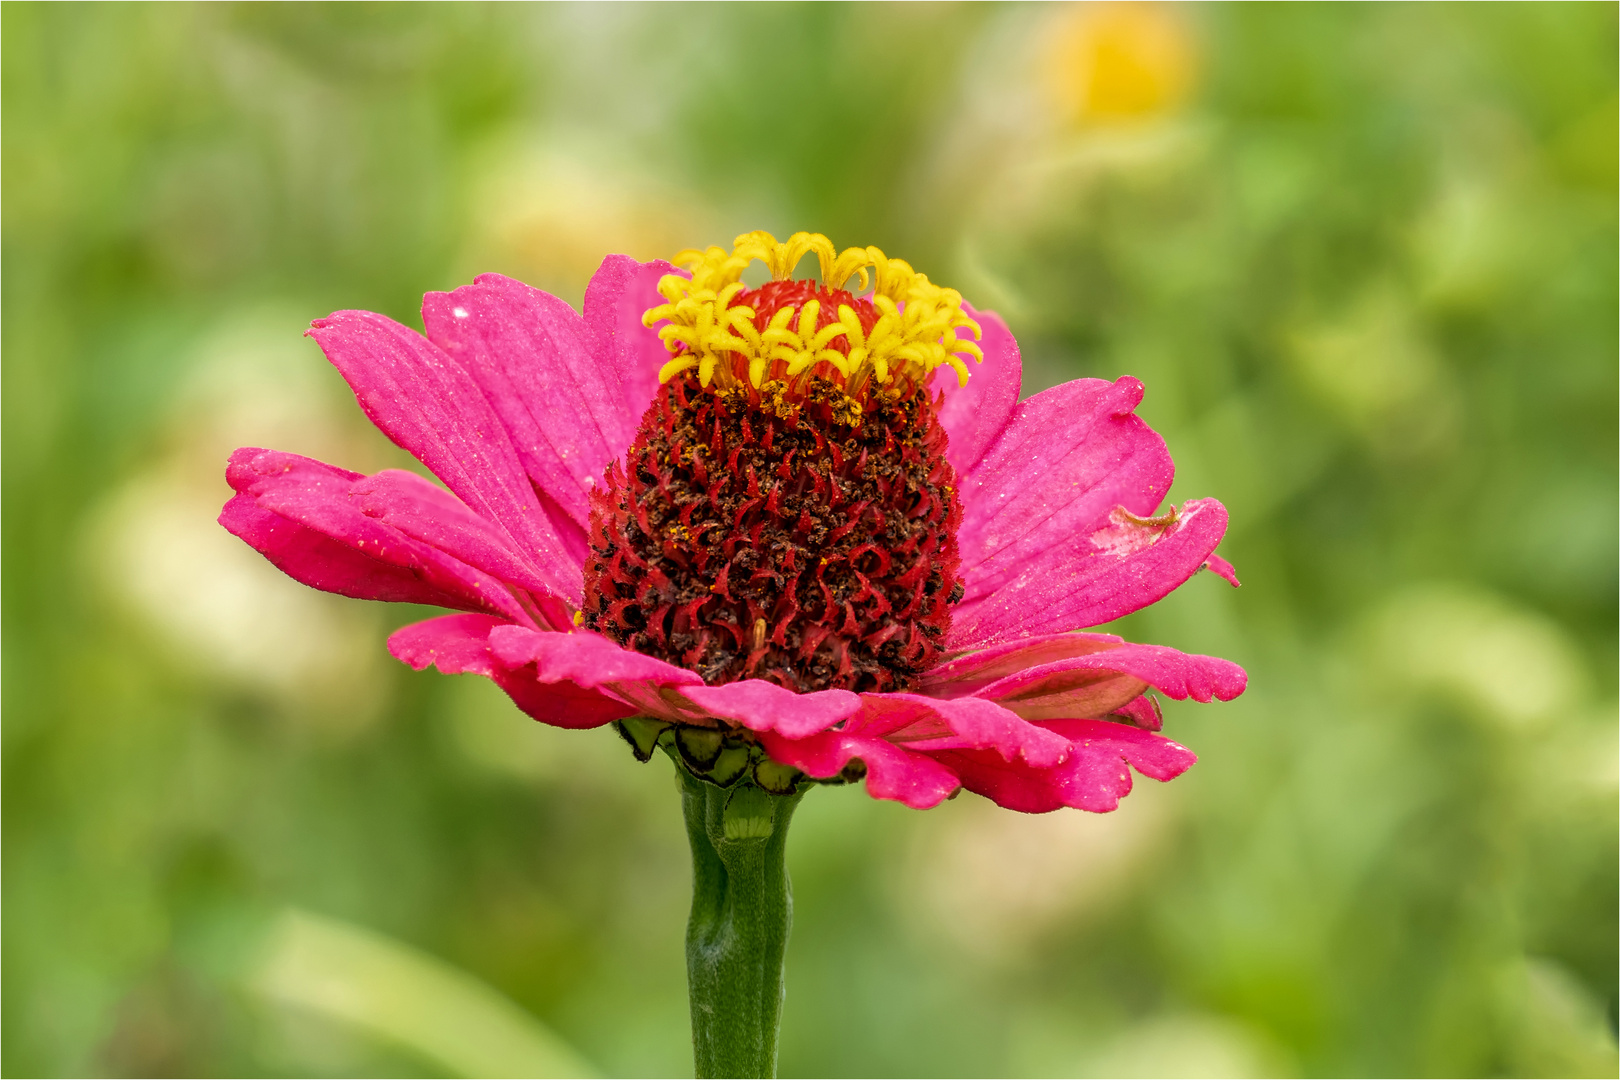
915, 333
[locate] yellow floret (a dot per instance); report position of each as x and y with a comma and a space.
916, 330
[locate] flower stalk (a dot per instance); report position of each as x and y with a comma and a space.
742, 910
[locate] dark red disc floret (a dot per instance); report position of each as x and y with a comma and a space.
746, 537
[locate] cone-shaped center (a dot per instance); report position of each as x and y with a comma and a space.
795, 534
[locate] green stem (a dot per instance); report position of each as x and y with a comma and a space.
736, 939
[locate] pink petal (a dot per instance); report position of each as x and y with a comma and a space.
1094, 777
1154, 756
916, 780
1097, 684
973, 415
1221, 568
1176, 674
1058, 693
563, 406
322, 563
621, 291
586, 658
428, 404
1090, 579
928, 725
1067, 458
1016, 786
1144, 712
901, 738
421, 509
965, 673
457, 644
763, 706
646, 684
1077, 450
304, 520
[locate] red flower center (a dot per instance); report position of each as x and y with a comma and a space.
789, 533
773, 296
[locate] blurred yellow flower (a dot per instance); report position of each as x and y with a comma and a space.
1120, 61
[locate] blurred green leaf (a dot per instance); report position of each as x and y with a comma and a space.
401, 994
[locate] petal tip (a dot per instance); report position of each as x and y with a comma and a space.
1128, 391
1222, 569
1234, 686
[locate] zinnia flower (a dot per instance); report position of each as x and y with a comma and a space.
799, 531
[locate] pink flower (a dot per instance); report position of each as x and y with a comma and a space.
1043, 511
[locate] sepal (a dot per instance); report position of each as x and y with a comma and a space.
723, 756
777, 779
699, 747
642, 733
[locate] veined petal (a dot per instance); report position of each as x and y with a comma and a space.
455, 644
459, 644
1067, 457
965, 673
1091, 580
1144, 712
427, 512
902, 739
1176, 674
315, 559
916, 780
764, 706
620, 292
583, 657
1094, 777
1064, 676
316, 500
1154, 756
425, 401
928, 725
648, 686
562, 401
975, 414
1223, 569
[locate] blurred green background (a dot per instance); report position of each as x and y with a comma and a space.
1364, 258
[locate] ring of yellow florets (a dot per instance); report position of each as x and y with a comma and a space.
706, 328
